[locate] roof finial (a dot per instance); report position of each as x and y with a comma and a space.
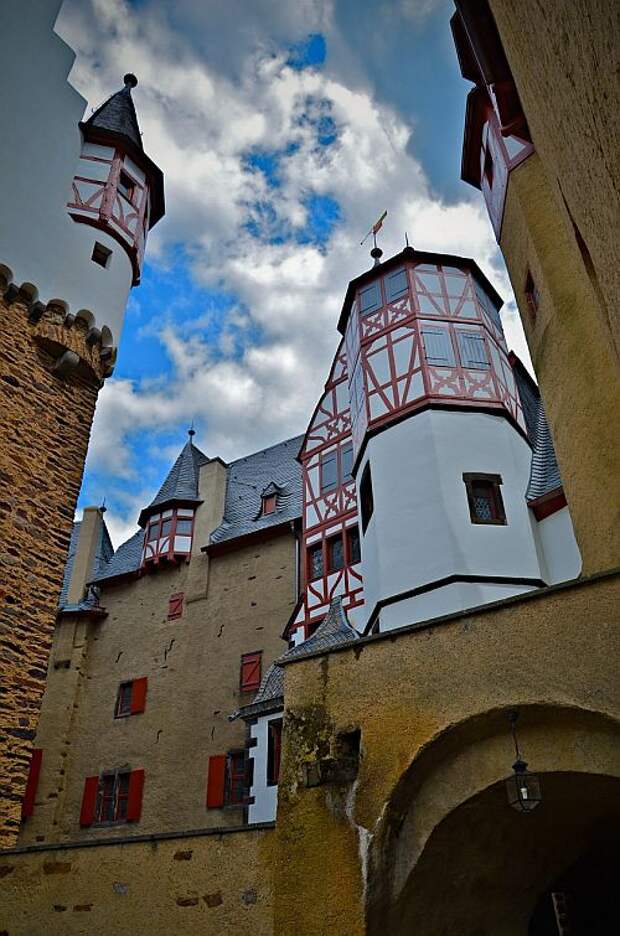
376, 253
406, 239
191, 431
103, 507
130, 81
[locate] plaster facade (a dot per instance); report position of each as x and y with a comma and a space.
207, 883
421, 531
234, 604
46, 414
440, 741
572, 356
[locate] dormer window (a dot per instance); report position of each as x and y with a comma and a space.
269, 504
168, 534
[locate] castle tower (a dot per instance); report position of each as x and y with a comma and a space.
67, 262
441, 454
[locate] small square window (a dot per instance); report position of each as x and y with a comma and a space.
126, 186
485, 499
438, 348
101, 255
250, 675
175, 606
370, 298
123, 700
396, 285
315, 561
367, 504
274, 750
353, 542
235, 778
532, 295
329, 471
346, 463
335, 553
112, 796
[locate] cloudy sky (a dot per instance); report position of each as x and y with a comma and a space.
283, 129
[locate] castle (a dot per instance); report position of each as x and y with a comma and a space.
301, 697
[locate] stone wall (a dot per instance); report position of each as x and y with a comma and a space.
47, 403
207, 884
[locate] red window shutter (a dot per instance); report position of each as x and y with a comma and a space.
138, 695
32, 783
134, 797
175, 605
216, 781
89, 801
250, 671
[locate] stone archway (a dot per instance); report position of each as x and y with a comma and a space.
453, 859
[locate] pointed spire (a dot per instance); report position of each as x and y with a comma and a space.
118, 114
181, 484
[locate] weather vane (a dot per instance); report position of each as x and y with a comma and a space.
376, 253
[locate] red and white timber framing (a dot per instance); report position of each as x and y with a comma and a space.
440, 341
327, 514
98, 200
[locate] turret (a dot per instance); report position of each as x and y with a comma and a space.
441, 454
118, 191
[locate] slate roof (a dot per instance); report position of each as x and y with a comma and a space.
118, 115
127, 558
529, 395
181, 484
333, 631
272, 470
103, 554
544, 471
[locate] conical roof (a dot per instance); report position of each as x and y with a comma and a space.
333, 631
118, 115
181, 484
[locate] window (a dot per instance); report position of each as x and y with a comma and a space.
115, 796
370, 298
353, 545
366, 498
335, 553
101, 255
532, 295
396, 285
269, 504
485, 499
250, 674
235, 778
274, 750
488, 167
126, 186
32, 783
175, 606
346, 462
329, 471
131, 698
169, 534
438, 348
315, 561
335, 468
473, 351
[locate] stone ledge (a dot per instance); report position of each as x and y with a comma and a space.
137, 839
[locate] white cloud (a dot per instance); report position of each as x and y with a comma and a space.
200, 119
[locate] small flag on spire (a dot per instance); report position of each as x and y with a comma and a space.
375, 228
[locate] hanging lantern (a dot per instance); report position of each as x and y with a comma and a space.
523, 788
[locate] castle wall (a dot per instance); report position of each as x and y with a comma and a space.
206, 884
562, 58
46, 420
450, 686
572, 356
240, 600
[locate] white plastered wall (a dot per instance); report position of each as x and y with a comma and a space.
39, 115
560, 552
265, 804
421, 530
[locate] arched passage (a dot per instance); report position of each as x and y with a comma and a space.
453, 859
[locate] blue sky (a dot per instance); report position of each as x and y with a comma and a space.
284, 131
